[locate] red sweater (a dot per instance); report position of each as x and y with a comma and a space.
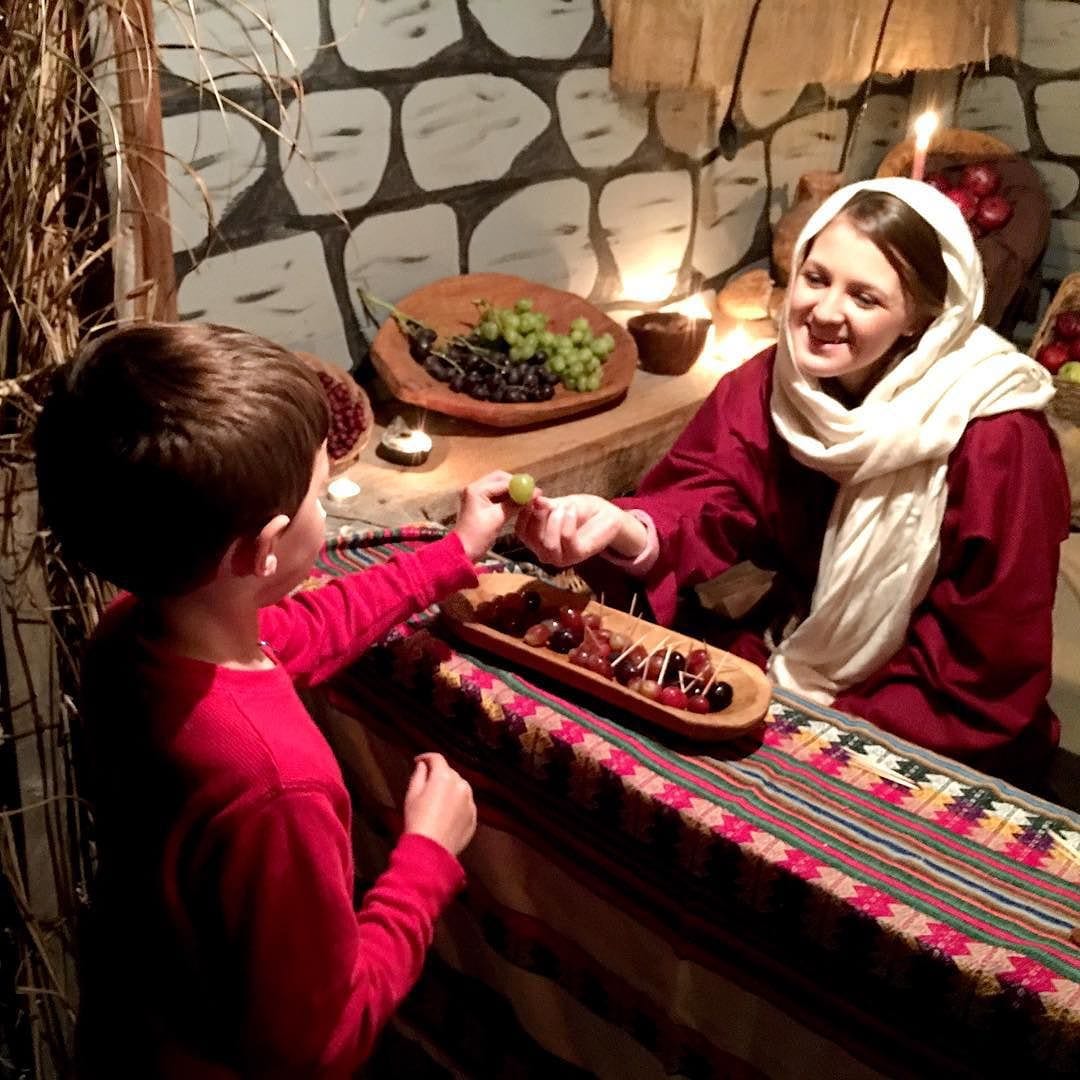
225, 939
972, 676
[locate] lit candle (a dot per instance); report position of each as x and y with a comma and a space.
404, 445
925, 127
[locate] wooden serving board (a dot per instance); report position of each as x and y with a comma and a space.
447, 307
751, 688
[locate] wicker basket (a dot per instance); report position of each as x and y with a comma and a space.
1066, 402
340, 464
957, 143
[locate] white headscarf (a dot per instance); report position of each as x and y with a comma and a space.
889, 456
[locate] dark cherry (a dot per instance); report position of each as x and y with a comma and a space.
532, 600
720, 695
627, 669
562, 641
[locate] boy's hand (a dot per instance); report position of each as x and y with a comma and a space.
439, 804
485, 509
571, 529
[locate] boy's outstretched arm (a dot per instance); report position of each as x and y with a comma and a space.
317, 632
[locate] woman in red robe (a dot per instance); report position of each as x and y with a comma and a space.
890, 462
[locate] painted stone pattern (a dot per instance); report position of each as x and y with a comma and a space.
456, 135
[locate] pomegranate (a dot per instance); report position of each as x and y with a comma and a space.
993, 212
1067, 324
1052, 356
965, 201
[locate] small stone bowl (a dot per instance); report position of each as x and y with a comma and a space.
668, 342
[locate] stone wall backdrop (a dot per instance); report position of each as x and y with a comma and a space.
442, 136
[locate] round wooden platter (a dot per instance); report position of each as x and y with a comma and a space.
448, 307
751, 688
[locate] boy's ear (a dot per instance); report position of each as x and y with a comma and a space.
266, 542
256, 555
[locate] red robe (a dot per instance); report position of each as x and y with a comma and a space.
971, 678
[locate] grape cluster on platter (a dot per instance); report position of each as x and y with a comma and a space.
348, 421
510, 355
664, 674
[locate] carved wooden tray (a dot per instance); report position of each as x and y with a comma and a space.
751, 688
447, 306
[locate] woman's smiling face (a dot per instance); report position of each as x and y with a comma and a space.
847, 309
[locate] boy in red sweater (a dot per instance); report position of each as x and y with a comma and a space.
184, 463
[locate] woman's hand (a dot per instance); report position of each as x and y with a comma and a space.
439, 804
573, 528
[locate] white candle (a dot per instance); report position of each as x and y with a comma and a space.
925, 127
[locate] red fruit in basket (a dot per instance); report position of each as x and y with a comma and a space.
939, 181
965, 201
1074, 349
981, 180
1067, 324
1052, 356
994, 211
698, 704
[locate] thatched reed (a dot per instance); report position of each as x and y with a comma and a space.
84, 240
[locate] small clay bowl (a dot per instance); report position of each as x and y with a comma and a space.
668, 342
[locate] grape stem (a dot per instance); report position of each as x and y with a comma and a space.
403, 320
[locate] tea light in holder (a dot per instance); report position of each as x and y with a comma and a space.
404, 445
925, 126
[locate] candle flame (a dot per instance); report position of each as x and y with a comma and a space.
925, 126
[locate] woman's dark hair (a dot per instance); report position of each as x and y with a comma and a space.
908, 241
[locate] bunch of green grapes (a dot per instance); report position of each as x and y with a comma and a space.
575, 357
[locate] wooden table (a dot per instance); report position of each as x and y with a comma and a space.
822, 899
604, 453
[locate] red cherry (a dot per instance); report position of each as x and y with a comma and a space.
673, 697
965, 201
1074, 349
1052, 356
994, 211
981, 180
698, 704
1067, 324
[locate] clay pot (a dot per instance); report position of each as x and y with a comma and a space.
812, 190
668, 343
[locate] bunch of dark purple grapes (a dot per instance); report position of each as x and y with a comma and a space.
470, 365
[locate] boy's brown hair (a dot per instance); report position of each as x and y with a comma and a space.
162, 443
